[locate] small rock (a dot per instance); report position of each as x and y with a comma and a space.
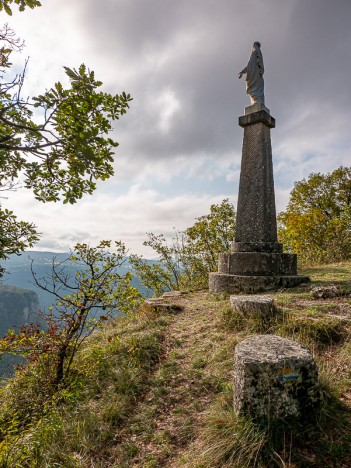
325, 292
158, 306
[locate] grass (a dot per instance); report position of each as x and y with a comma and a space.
155, 390
228, 440
314, 331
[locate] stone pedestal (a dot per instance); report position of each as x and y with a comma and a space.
256, 262
274, 379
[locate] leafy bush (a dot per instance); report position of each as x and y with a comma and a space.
317, 222
83, 302
186, 262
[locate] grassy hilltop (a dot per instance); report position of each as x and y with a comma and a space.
155, 390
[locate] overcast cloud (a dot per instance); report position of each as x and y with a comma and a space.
180, 144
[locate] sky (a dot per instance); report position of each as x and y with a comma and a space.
180, 143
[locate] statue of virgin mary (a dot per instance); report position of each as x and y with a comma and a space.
254, 75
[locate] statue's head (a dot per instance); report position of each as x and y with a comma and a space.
257, 44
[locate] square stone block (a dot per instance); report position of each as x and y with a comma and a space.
274, 379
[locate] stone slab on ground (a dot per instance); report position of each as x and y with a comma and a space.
173, 293
165, 303
274, 379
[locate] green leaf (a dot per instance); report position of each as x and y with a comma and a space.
7, 9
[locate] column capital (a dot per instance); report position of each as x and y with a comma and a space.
257, 117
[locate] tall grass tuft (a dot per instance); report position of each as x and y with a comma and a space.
229, 440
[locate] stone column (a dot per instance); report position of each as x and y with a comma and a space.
256, 262
256, 217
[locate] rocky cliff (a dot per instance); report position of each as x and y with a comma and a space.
18, 306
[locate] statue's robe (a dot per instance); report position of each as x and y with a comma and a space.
254, 77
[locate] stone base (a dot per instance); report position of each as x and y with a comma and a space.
274, 379
253, 272
233, 284
257, 264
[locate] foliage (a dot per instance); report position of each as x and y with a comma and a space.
15, 235
320, 331
254, 323
317, 222
210, 235
22, 4
191, 255
69, 150
82, 303
229, 440
56, 144
38, 428
59, 139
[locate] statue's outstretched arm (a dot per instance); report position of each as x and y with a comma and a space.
243, 71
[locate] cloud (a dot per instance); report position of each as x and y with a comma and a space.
127, 217
168, 105
180, 143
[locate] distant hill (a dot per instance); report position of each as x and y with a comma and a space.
21, 299
18, 306
18, 272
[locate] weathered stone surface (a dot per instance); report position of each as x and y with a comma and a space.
257, 264
173, 294
233, 284
256, 214
163, 304
275, 247
251, 118
262, 307
258, 106
274, 378
325, 292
